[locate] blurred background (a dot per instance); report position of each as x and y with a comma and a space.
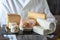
54, 6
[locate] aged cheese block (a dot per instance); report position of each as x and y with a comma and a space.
36, 15
14, 18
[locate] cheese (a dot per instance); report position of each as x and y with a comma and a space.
41, 31
14, 18
38, 30
36, 15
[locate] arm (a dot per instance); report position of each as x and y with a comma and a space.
3, 18
49, 14
47, 10
3, 13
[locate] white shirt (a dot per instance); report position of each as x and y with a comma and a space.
20, 7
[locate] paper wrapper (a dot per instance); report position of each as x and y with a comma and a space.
48, 25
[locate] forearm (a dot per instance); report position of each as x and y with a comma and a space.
48, 12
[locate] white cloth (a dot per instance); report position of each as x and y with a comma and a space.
15, 6
47, 26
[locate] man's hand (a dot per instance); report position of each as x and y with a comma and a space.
28, 23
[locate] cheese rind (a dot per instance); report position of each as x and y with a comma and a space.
36, 15
38, 30
14, 18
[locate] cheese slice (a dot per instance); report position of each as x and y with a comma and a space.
41, 31
38, 30
14, 18
36, 15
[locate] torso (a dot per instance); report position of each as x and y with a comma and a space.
14, 6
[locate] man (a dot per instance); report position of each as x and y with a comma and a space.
21, 7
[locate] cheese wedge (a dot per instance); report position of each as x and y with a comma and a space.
41, 30
36, 15
14, 18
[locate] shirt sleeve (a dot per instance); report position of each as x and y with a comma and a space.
0, 11
48, 13
3, 14
47, 10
